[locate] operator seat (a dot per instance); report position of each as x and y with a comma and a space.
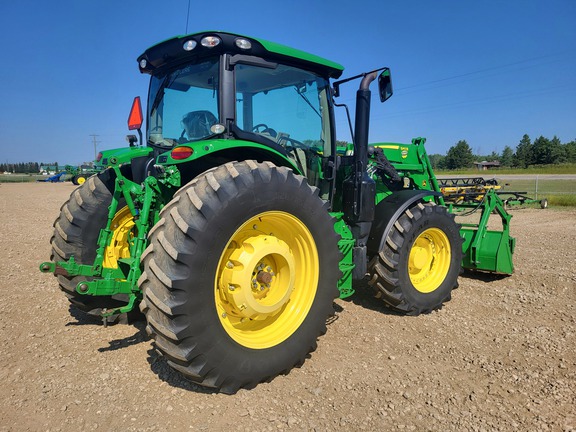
197, 124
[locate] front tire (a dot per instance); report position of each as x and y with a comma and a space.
240, 275
419, 262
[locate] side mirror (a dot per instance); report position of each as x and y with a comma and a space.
385, 85
135, 118
132, 140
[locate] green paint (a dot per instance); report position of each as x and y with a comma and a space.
346, 246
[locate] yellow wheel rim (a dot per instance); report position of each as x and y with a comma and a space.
119, 247
81, 180
429, 260
266, 280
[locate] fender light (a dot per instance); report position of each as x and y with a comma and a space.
99, 157
180, 153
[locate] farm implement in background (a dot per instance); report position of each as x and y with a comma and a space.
76, 174
55, 178
469, 190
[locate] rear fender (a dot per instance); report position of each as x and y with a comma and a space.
230, 150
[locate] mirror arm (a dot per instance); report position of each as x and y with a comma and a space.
336, 84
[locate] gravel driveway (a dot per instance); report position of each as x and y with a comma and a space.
499, 356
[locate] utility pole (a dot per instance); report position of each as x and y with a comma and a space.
95, 143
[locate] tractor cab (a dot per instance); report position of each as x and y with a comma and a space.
229, 97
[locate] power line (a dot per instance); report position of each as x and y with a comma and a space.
496, 70
561, 88
502, 66
187, 17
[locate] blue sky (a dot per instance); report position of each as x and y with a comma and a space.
487, 72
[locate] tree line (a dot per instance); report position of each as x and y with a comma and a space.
542, 151
23, 167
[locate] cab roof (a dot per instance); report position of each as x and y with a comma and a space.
172, 52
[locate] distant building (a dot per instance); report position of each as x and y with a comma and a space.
48, 169
484, 165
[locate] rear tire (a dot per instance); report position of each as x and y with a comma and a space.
418, 266
240, 275
76, 233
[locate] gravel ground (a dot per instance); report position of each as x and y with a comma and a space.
499, 356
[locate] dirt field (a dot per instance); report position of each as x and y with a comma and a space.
499, 356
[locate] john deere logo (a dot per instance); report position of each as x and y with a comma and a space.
404, 152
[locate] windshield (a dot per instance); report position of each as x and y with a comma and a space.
284, 104
183, 104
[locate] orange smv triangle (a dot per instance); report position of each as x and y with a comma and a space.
135, 118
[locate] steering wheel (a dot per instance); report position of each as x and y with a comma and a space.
263, 128
291, 143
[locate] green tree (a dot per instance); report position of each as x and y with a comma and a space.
459, 156
437, 161
556, 154
570, 151
541, 151
507, 156
523, 155
492, 157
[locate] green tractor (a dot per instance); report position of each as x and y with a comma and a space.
79, 174
240, 221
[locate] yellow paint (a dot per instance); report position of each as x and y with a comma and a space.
429, 260
266, 280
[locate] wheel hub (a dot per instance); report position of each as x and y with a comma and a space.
259, 277
119, 247
418, 257
266, 279
429, 260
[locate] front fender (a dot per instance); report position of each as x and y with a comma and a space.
123, 155
387, 213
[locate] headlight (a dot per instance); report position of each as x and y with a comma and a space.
189, 45
242, 43
217, 128
210, 41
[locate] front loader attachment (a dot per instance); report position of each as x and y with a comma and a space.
485, 223
486, 246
